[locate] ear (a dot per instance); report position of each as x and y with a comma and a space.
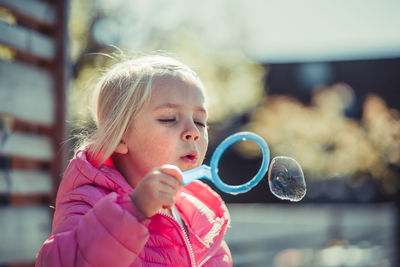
122, 147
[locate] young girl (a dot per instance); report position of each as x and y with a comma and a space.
120, 202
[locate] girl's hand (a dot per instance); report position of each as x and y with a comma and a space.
157, 189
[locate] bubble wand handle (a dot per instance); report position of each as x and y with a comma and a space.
201, 172
211, 173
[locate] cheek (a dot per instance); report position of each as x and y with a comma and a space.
206, 139
158, 149
144, 148
204, 147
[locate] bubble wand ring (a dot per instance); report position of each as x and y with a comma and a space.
211, 172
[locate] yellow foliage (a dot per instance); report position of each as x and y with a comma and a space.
325, 142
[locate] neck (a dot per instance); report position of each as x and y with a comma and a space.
131, 173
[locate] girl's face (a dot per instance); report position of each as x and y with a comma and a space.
171, 128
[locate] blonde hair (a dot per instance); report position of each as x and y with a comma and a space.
121, 93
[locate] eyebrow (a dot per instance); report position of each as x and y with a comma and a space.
177, 106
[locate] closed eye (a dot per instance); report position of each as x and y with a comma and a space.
201, 124
167, 120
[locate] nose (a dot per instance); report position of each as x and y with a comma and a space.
191, 132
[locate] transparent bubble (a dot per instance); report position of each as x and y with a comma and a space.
286, 179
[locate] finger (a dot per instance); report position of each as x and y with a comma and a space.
166, 200
173, 171
158, 179
169, 181
168, 189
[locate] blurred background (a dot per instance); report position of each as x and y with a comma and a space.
319, 80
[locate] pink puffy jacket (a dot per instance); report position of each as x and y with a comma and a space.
96, 224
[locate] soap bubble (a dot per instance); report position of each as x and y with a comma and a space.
286, 179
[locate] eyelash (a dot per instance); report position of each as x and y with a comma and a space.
166, 120
204, 125
173, 120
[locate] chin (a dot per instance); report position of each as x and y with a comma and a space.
187, 168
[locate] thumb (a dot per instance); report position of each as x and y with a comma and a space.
173, 171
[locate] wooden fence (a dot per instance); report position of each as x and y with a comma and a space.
33, 77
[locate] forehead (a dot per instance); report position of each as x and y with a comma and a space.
178, 90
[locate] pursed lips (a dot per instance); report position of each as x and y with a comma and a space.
190, 157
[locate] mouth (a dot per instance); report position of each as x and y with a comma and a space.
190, 157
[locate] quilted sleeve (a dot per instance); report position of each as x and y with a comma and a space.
109, 233
222, 258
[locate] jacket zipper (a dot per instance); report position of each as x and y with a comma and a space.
185, 237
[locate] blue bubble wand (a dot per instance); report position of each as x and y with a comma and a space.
286, 178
